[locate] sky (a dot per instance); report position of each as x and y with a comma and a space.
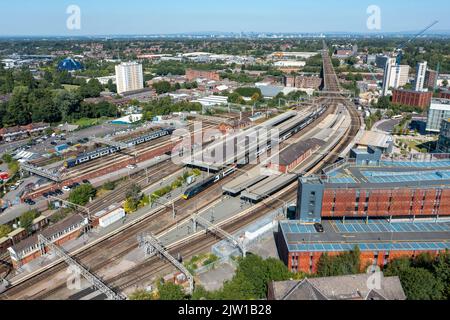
111, 17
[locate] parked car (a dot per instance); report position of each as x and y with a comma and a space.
86, 181
66, 188
59, 192
54, 143
318, 227
29, 202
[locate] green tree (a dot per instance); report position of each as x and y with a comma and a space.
26, 219
5, 229
141, 295
170, 291
162, 87
420, 284
82, 194
343, 264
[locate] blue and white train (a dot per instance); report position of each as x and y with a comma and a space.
88, 156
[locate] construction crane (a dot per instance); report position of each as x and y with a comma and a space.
399, 49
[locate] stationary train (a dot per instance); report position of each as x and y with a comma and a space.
203, 185
89, 156
257, 149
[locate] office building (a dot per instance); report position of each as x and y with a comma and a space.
129, 77
421, 99
420, 76
443, 144
381, 60
439, 111
430, 79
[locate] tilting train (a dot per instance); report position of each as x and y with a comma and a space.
88, 156
203, 185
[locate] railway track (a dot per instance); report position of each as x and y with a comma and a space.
153, 266
107, 257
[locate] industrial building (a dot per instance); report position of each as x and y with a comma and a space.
421, 99
439, 111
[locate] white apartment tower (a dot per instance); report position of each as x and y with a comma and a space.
129, 77
420, 76
390, 63
395, 76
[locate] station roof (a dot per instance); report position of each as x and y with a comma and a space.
296, 150
379, 235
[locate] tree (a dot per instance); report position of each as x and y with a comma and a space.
26, 219
420, 284
141, 295
445, 83
111, 86
424, 277
5, 229
130, 205
170, 291
90, 89
134, 192
343, 264
162, 87
82, 194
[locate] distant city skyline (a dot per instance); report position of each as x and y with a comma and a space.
140, 17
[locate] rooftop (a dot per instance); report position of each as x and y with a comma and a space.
388, 174
349, 287
376, 235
